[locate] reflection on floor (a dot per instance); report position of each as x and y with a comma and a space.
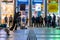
47, 34
38, 33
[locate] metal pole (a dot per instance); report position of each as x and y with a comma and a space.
30, 11
0, 12
45, 8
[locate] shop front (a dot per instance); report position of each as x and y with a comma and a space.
38, 8
22, 6
7, 9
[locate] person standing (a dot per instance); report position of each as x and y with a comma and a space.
41, 21
49, 20
45, 19
33, 21
54, 21
10, 20
6, 19
14, 21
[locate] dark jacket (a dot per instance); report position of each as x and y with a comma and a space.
33, 19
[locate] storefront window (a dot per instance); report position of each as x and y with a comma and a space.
37, 7
22, 6
7, 9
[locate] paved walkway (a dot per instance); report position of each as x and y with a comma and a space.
35, 34
47, 33
21, 34
31, 35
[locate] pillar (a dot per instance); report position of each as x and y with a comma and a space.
30, 12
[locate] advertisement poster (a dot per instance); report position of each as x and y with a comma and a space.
23, 17
37, 7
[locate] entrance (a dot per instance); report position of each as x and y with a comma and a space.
23, 6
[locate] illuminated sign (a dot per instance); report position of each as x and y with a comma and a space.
37, 7
22, 0
53, 7
38, 0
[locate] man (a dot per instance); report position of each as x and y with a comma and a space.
10, 20
33, 21
54, 21
41, 21
6, 19
14, 21
49, 20
18, 24
45, 19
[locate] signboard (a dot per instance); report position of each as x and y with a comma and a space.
37, 7
38, 0
22, 0
53, 6
49, 1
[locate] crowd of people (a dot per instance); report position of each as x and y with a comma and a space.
46, 21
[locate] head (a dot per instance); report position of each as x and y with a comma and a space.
10, 15
49, 14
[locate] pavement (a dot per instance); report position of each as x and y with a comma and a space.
35, 34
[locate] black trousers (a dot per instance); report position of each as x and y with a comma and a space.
14, 22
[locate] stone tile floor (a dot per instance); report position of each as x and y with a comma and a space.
38, 33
